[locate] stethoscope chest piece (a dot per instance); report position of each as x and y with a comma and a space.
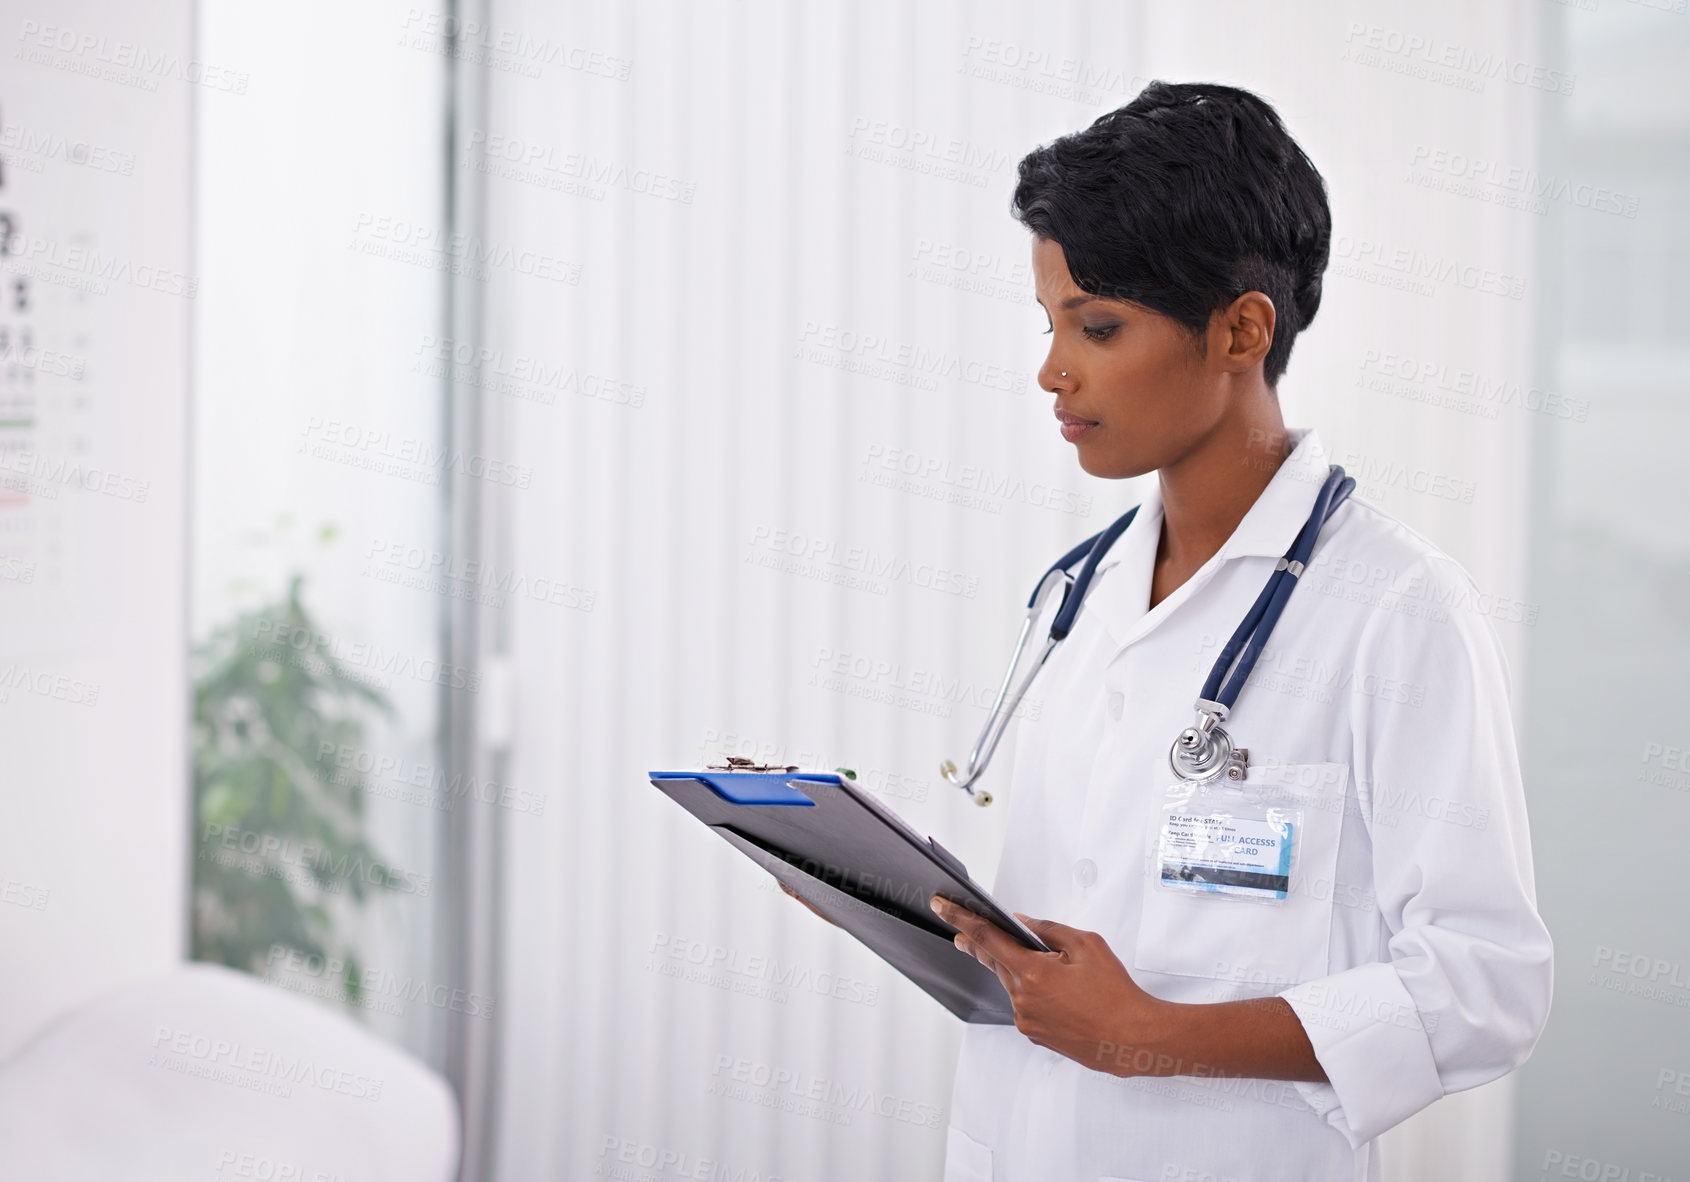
1205, 751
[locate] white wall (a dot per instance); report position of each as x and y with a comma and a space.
96, 104
786, 214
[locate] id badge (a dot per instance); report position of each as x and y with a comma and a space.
1216, 839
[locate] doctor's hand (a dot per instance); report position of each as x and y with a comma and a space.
1078, 1001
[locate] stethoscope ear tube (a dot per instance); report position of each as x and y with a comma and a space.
1008, 701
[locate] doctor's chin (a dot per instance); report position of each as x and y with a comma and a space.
805, 592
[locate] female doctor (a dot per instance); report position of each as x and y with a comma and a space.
1240, 1026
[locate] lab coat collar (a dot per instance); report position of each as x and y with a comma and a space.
1270, 526
1267, 530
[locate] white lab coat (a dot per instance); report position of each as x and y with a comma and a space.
1410, 946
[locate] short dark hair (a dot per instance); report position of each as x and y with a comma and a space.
1183, 200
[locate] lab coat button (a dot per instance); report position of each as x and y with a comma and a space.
1085, 873
1116, 701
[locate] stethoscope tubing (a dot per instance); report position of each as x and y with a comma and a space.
1258, 624
1246, 643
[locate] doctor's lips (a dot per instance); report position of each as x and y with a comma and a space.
1074, 428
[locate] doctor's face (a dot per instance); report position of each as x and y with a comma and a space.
1133, 394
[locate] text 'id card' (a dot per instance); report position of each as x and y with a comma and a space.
1227, 854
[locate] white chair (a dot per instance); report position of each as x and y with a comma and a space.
206, 1073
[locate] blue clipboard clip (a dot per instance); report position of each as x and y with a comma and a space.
739, 780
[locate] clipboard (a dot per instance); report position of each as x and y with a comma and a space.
858, 863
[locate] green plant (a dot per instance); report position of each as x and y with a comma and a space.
279, 822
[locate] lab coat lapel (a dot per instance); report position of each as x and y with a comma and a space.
1121, 593
1124, 595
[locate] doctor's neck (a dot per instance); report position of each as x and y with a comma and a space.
1212, 483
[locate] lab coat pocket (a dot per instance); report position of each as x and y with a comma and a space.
1251, 947
966, 1160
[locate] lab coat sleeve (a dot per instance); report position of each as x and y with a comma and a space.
1465, 991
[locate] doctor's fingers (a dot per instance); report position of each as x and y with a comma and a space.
987, 942
1006, 975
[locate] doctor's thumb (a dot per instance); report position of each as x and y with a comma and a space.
1058, 935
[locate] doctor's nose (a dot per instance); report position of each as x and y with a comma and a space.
1053, 378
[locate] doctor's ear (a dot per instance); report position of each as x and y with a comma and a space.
1241, 333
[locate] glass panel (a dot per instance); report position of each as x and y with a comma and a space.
319, 592
1607, 1093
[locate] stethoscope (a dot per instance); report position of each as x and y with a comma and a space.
1203, 751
